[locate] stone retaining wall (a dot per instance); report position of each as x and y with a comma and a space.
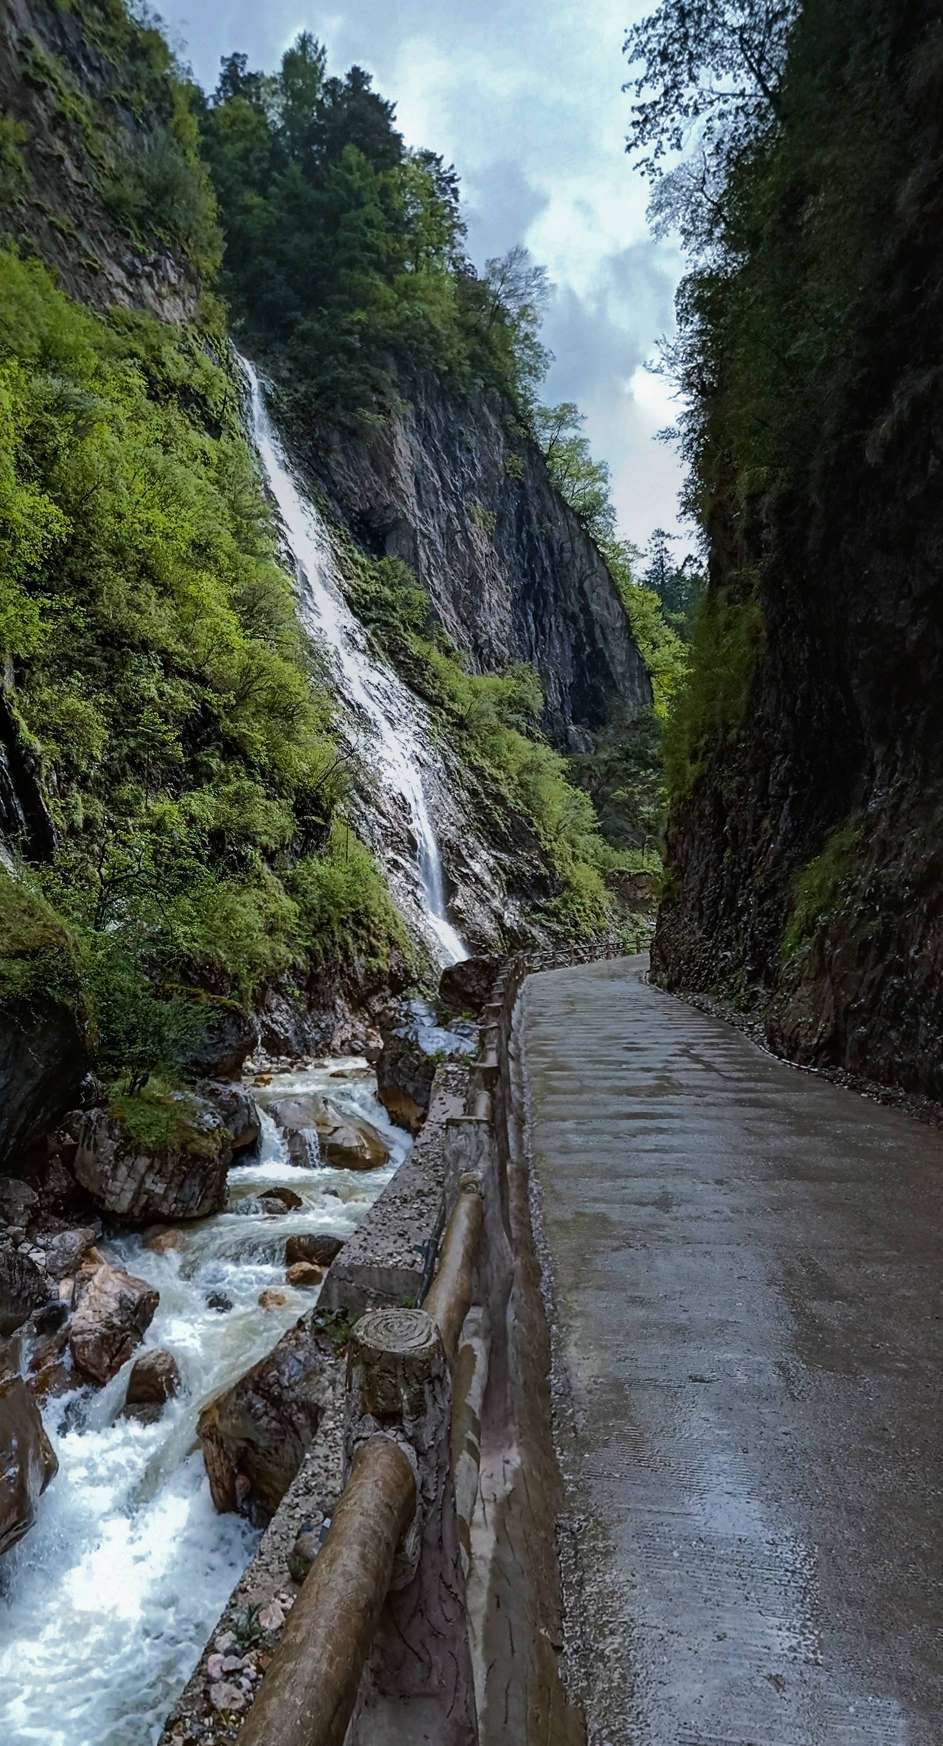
388, 1262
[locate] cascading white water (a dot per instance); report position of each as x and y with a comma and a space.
383, 705
107, 1602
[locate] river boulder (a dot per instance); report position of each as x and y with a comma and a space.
112, 1310
346, 1141
181, 1174
315, 1246
154, 1379
60, 1247
255, 1434
27, 1461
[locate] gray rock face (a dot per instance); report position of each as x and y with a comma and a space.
185, 1179
255, 1434
113, 1310
18, 1203
27, 1461
451, 488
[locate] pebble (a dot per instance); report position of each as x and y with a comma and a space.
272, 1618
226, 1696
225, 1641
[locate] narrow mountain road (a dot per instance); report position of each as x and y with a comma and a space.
748, 1268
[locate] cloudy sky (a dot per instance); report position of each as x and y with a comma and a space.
525, 97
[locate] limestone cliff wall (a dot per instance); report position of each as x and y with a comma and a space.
452, 486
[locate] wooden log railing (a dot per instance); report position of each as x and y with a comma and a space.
376, 1648
379, 1628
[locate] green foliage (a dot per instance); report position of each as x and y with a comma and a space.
159, 1117
707, 78
345, 914
818, 889
37, 949
677, 587
131, 135
344, 250
12, 164
658, 639
159, 189
583, 482
162, 684
790, 203
710, 708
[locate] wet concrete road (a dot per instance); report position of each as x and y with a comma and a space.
747, 1267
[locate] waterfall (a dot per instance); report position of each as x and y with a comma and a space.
384, 709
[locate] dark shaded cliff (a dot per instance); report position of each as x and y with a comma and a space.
805, 844
451, 485
99, 174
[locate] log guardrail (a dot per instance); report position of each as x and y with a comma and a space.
376, 1648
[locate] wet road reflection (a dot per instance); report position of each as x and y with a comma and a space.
748, 1301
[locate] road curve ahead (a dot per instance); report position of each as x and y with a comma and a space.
746, 1263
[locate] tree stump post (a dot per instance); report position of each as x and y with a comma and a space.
418, 1687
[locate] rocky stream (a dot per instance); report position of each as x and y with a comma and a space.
106, 1603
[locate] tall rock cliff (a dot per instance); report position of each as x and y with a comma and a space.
97, 173
805, 845
451, 485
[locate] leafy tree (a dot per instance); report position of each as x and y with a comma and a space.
708, 81
581, 480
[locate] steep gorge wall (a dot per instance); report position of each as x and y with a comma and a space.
452, 486
805, 848
87, 96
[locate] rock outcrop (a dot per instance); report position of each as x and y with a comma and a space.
112, 1312
24, 1287
255, 1435
182, 1178
27, 1461
72, 90
348, 1143
450, 485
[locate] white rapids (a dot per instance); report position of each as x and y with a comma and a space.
107, 1602
384, 708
